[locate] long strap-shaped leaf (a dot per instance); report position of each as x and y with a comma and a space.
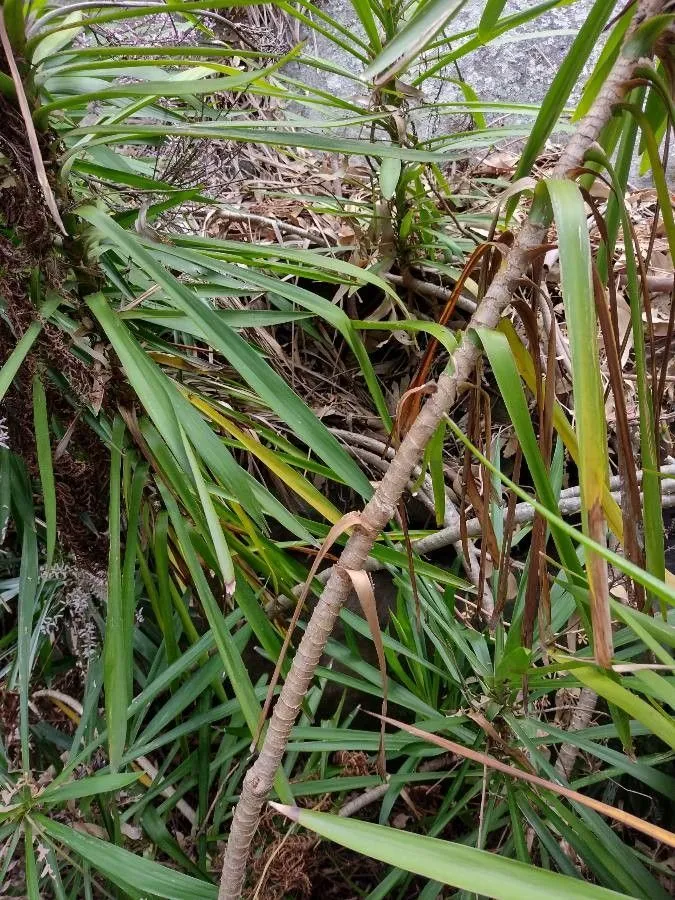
115, 660
475, 871
589, 407
271, 387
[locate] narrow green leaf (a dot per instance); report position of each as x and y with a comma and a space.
307, 139
656, 585
235, 318
411, 40
651, 487
655, 685
23, 345
608, 57
219, 543
434, 455
116, 662
508, 23
647, 774
8, 850
44, 455
643, 39
192, 688
176, 87
270, 386
28, 586
230, 655
59, 40
7, 87
159, 834
608, 856
125, 868
463, 867
589, 407
548, 843
165, 606
659, 109
87, 787
364, 11
502, 363
32, 877
144, 376
151, 89
519, 838
490, 17
170, 411
390, 172
231, 658
253, 277
128, 584
5, 492
473, 103
562, 85
352, 43
443, 335
659, 175
607, 685
15, 23
577, 287
623, 164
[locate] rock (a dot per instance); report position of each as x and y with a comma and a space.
515, 69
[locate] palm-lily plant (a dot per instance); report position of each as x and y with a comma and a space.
211, 360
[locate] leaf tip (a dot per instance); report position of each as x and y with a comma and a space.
291, 812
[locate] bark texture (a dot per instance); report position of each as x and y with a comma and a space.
380, 509
581, 719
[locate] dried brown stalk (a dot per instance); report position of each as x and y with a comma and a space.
381, 508
31, 134
619, 815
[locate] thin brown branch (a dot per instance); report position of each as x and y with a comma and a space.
242, 215
657, 833
655, 284
433, 291
581, 717
365, 799
524, 513
382, 506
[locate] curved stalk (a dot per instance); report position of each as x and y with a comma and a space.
380, 509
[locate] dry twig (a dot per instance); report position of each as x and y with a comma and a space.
242, 215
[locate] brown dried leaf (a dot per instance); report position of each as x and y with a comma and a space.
498, 163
